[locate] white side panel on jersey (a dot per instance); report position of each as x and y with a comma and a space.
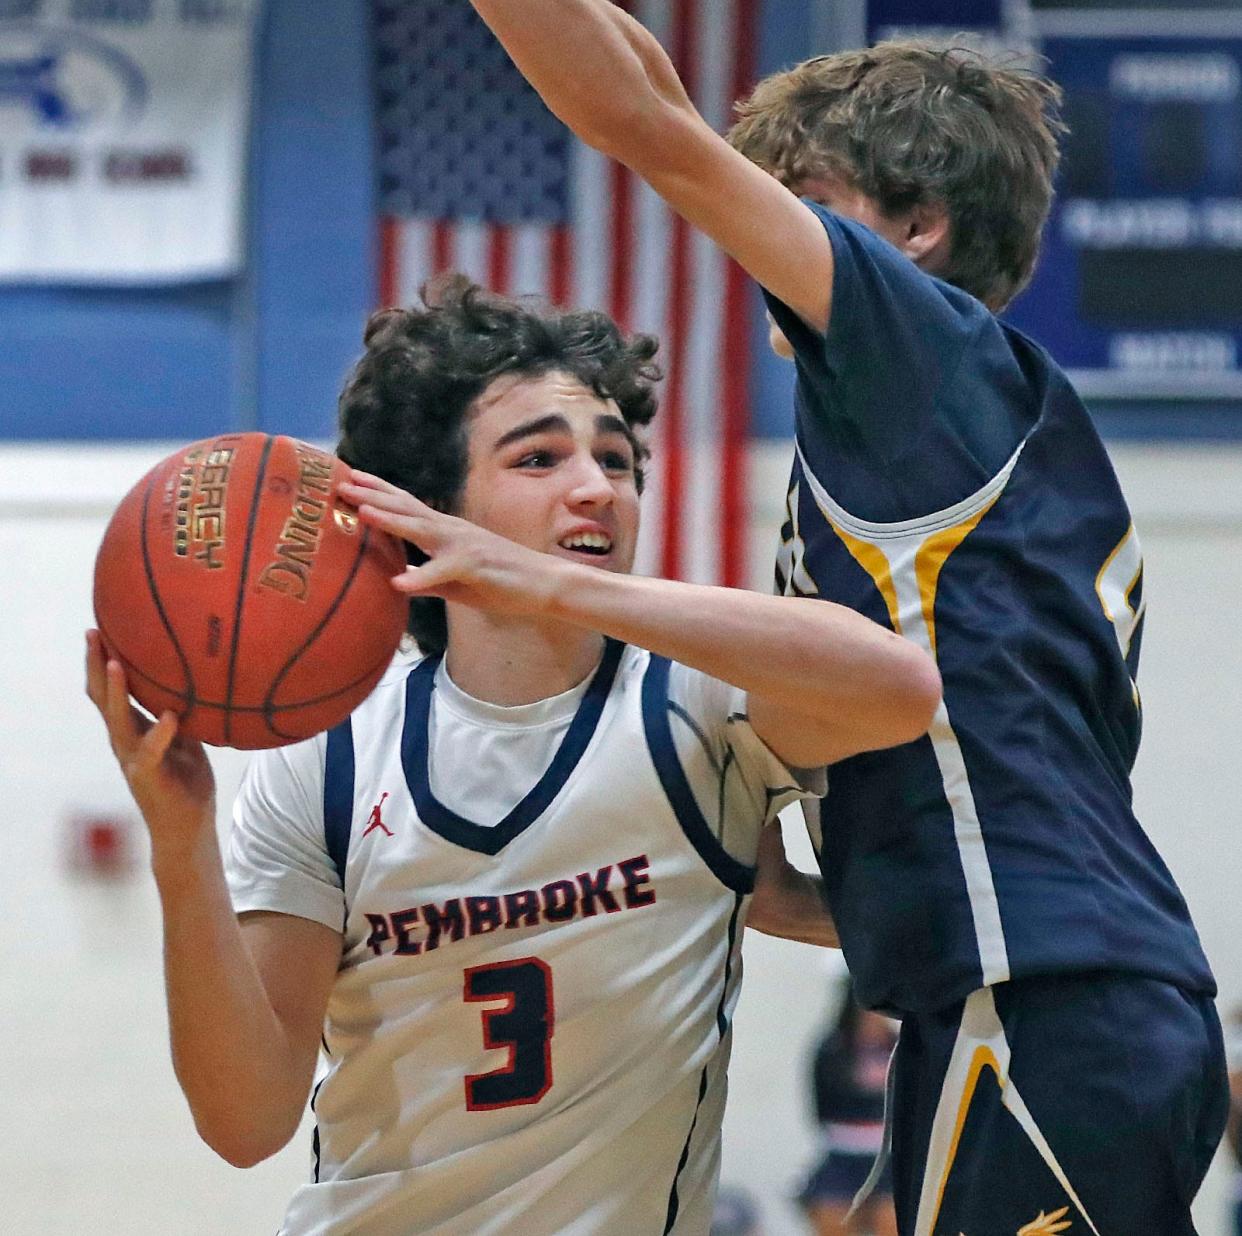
791, 556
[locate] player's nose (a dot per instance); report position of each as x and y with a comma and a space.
589, 483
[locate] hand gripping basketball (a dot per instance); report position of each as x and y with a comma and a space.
239, 590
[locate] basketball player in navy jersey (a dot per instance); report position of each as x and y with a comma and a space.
506, 896
1060, 1062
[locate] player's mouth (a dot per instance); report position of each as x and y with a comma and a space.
593, 546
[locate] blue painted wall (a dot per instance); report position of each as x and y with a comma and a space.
267, 350
785, 37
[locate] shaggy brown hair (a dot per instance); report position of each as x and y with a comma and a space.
910, 123
405, 409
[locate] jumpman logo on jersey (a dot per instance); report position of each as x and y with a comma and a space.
377, 820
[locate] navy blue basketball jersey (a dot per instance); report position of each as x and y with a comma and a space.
949, 484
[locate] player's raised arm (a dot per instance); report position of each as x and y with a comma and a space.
611, 82
823, 682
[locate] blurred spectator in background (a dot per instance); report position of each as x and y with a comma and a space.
735, 1213
1233, 1131
848, 1076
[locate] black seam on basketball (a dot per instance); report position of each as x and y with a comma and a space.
323, 622
377, 668
241, 583
133, 671
217, 706
189, 694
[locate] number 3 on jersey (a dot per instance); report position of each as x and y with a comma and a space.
523, 1024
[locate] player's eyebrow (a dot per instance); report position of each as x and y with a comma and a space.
607, 423
555, 423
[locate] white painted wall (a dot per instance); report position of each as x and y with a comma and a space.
94, 1135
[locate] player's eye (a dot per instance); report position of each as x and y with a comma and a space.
620, 462
535, 459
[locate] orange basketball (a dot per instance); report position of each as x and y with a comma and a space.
240, 592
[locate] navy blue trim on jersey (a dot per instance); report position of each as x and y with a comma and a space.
455, 828
338, 794
722, 1024
732, 874
315, 1143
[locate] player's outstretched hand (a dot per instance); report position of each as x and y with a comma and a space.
467, 564
168, 774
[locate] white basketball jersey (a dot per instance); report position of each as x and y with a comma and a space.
530, 1028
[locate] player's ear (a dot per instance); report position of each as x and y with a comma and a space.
927, 235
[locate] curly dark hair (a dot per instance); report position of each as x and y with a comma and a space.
405, 408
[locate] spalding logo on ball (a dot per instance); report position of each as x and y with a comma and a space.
239, 591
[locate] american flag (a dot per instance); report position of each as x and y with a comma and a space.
477, 175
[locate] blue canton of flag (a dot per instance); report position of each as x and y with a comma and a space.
462, 136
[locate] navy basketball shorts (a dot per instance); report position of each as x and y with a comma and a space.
1061, 1106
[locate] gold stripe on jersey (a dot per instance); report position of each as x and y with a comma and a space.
931, 557
872, 560
984, 1058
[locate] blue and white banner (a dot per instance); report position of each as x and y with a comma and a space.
123, 139
1139, 288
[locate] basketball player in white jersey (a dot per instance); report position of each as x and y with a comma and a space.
501, 906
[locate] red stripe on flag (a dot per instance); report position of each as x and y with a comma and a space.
621, 273
560, 264
441, 246
735, 403
735, 361
678, 330
499, 259
386, 272
673, 411
621, 191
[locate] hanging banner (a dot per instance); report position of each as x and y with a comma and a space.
123, 139
1139, 289
995, 25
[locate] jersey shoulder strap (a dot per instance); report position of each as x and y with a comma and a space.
659, 733
338, 794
